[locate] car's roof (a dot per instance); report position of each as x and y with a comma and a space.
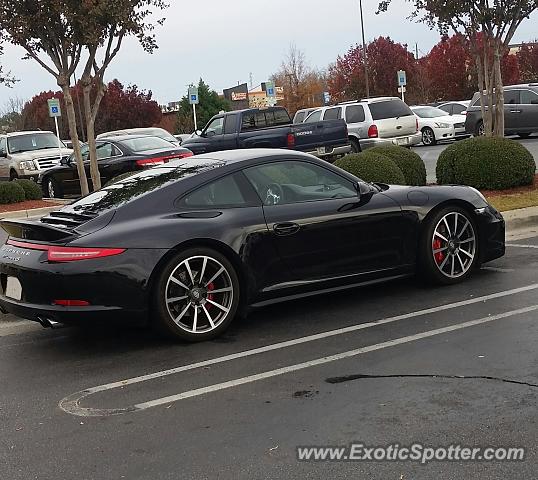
244, 155
121, 138
460, 102
29, 132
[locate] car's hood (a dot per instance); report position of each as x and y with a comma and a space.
450, 119
42, 154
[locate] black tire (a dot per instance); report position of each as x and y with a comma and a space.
52, 189
428, 137
13, 175
428, 263
355, 145
523, 135
479, 129
161, 314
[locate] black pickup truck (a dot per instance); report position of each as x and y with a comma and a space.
270, 128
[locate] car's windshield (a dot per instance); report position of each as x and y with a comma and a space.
156, 132
429, 112
145, 143
29, 142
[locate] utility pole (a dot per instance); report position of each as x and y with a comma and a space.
416, 52
364, 55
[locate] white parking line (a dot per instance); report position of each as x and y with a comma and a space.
516, 245
71, 403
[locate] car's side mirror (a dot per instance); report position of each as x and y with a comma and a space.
363, 189
198, 132
65, 161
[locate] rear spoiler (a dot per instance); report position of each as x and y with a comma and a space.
34, 230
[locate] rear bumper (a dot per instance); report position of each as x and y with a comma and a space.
405, 141
330, 151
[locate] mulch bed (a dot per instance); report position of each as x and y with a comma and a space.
28, 205
524, 189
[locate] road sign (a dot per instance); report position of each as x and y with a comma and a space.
54, 108
402, 89
326, 98
402, 78
270, 89
193, 96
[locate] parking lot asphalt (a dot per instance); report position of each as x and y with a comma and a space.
430, 155
396, 363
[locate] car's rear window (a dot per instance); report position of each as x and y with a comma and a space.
389, 109
144, 144
135, 186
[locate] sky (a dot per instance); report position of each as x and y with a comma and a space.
224, 41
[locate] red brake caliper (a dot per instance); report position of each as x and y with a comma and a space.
439, 256
210, 296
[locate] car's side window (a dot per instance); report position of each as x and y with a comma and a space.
3, 146
529, 98
511, 97
300, 117
230, 123
314, 117
446, 108
85, 151
104, 150
296, 182
221, 193
332, 113
458, 109
355, 114
215, 127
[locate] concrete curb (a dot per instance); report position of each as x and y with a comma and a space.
521, 218
35, 212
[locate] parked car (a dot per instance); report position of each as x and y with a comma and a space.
455, 108
192, 244
151, 131
115, 155
27, 154
436, 125
373, 122
520, 111
300, 115
270, 127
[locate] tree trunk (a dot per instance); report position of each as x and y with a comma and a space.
499, 92
71, 119
488, 120
482, 88
90, 114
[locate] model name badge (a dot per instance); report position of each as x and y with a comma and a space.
302, 134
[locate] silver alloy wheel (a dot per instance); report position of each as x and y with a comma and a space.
481, 130
428, 137
50, 188
199, 294
454, 245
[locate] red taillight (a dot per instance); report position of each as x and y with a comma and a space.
71, 303
373, 132
68, 254
72, 254
291, 140
150, 162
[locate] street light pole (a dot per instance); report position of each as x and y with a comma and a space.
364, 56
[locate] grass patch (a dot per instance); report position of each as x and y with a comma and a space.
514, 201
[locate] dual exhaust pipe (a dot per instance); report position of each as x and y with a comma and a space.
48, 323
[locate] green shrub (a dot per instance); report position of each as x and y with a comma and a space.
409, 162
487, 163
32, 191
120, 177
11, 192
372, 167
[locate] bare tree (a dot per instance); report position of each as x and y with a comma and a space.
12, 114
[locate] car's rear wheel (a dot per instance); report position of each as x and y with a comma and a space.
449, 246
196, 295
428, 137
13, 175
355, 145
53, 188
480, 129
523, 135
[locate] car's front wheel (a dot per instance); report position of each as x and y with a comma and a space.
449, 246
196, 295
428, 137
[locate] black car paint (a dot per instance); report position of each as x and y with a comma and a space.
66, 174
307, 137
382, 229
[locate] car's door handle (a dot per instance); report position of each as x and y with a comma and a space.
287, 228
515, 111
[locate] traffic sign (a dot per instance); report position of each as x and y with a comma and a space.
326, 98
270, 89
55, 110
402, 78
193, 96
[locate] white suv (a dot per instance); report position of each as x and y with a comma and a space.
374, 121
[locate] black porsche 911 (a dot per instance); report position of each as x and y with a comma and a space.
115, 156
194, 243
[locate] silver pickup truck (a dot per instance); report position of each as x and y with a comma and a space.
27, 154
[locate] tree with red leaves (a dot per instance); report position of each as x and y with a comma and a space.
121, 108
385, 58
528, 61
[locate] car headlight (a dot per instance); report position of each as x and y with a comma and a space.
442, 125
27, 165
